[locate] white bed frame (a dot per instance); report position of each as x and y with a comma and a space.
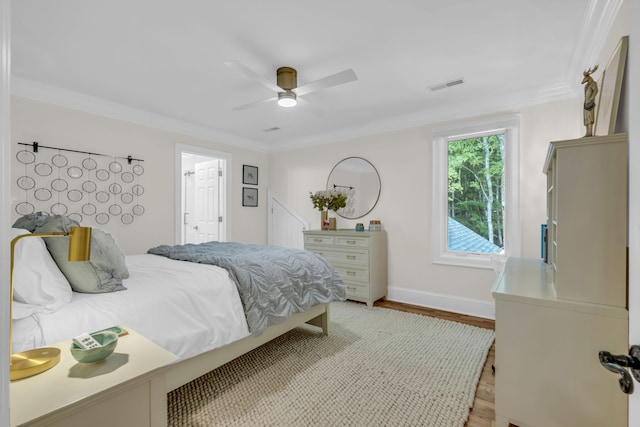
187, 370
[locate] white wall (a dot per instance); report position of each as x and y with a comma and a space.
403, 160
57, 126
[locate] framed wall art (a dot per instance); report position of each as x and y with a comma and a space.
249, 175
250, 197
610, 87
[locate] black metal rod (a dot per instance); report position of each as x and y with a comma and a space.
342, 186
35, 146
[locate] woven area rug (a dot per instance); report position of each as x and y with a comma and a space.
378, 367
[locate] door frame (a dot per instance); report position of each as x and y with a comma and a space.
179, 188
5, 197
633, 230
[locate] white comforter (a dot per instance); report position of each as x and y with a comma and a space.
184, 307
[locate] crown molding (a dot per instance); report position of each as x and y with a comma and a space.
53, 95
497, 104
40, 92
596, 25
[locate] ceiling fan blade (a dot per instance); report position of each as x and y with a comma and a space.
317, 111
253, 75
342, 77
255, 103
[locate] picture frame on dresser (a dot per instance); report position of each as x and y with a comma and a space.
249, 174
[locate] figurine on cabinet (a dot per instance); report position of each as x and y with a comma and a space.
590, 92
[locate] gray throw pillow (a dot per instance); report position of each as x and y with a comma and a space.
32, 221
102, 273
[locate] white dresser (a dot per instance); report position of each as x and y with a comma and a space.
359, 256
553, 319
547, 368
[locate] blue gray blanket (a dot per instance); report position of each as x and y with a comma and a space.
273, 282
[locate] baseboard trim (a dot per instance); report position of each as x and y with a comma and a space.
468, 306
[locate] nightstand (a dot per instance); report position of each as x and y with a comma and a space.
126, 389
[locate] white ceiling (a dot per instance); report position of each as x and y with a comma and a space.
161, 62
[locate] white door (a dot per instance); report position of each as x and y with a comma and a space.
202, 213
207, 202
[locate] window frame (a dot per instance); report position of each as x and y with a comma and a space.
510, 125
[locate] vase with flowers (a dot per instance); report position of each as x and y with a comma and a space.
325, 201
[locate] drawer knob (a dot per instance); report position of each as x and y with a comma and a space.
317, 240
351, 242
351, 273
351, 257
350, 289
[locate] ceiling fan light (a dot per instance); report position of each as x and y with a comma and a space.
287, 99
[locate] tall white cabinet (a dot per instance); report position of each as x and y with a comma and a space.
587, 218
553, 318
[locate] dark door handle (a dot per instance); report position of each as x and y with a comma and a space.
618, 364
625, 382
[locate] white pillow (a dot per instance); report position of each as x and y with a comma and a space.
38, 284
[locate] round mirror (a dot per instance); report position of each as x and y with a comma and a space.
359, 180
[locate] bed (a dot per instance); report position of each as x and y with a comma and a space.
193, 310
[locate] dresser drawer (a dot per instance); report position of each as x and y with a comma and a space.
318, 240
355, 290
357, 242
353, 273
344, 257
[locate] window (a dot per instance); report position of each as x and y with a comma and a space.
475, 193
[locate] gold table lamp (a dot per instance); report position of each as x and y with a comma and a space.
38, 360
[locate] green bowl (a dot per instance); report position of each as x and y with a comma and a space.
108, 339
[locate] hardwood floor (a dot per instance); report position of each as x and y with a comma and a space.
483, 412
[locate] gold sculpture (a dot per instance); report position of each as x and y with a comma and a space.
590, 92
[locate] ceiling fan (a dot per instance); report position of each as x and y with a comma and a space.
286, 86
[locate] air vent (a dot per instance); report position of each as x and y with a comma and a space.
446, 84
271, 129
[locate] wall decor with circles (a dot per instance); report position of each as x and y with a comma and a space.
87, 187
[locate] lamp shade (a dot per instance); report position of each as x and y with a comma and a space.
79, 243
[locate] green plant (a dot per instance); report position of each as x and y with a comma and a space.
331, 200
